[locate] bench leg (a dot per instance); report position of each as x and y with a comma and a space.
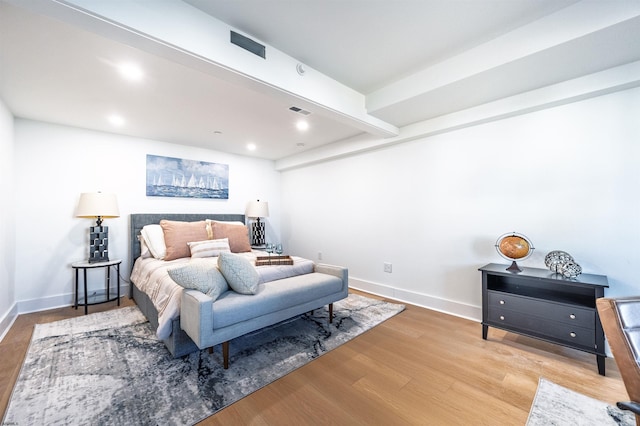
210, 349
225, 345
225, 355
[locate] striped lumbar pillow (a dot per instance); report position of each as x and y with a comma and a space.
209, 248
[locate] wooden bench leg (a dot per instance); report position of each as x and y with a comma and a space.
225, 355
210, 349
225, 345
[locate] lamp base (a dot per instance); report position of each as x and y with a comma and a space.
257, 233
98, 244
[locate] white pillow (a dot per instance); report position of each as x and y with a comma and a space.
239, 272
209, 248
154, 238
144, 249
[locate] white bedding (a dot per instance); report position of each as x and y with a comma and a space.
150, 276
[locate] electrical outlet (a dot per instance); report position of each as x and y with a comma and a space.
387, 267
319, 255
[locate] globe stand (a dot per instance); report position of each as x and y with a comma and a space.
514, 268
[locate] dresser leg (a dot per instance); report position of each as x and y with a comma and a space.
485, 329
601, 364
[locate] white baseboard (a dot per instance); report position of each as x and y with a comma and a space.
45, 303
458, 309
58, 301
41, 304
8, 320
473, 313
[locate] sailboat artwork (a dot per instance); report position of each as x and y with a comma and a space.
177, 177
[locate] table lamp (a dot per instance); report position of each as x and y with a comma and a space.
257, 209
99, 206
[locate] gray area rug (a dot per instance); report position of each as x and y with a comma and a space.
559, 406
109, 368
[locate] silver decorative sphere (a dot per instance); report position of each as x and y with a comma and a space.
555, 259
570, 270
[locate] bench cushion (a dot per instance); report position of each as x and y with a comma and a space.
232, 307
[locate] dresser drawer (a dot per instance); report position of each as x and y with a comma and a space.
553, 311
535, 326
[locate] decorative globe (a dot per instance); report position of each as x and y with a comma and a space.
514, 246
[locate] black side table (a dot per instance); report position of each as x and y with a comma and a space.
108, 297
545, 305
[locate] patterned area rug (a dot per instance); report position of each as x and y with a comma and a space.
559, 406
109, 368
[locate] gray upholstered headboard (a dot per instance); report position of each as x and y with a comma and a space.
139, 220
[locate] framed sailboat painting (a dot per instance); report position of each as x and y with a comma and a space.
177, 177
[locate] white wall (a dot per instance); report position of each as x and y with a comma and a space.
54, 164
7, 220
567, 177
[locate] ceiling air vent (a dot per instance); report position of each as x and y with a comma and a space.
299, 110
247, 44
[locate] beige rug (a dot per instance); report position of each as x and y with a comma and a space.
558, 406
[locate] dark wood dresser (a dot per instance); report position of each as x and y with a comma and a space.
542, 304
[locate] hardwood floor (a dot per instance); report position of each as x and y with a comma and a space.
419, 367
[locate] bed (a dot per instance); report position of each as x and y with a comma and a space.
178, 342
280, 291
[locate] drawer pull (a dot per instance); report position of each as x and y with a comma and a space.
502, 317
502, 302
572, 316
572, 334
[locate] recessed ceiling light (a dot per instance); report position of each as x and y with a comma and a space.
302, 125
251, 146
116, 120
130, 71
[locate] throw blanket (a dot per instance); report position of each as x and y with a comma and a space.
150, 276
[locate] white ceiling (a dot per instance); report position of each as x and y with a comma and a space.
405, 61
370, 44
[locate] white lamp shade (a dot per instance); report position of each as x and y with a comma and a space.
257, 209
97, 204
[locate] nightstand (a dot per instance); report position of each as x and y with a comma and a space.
108, 296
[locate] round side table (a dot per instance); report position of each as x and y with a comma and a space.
108, 297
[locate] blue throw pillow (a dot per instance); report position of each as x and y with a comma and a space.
239, 272
201, 276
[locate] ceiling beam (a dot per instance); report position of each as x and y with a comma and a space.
534, 53
616, 79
